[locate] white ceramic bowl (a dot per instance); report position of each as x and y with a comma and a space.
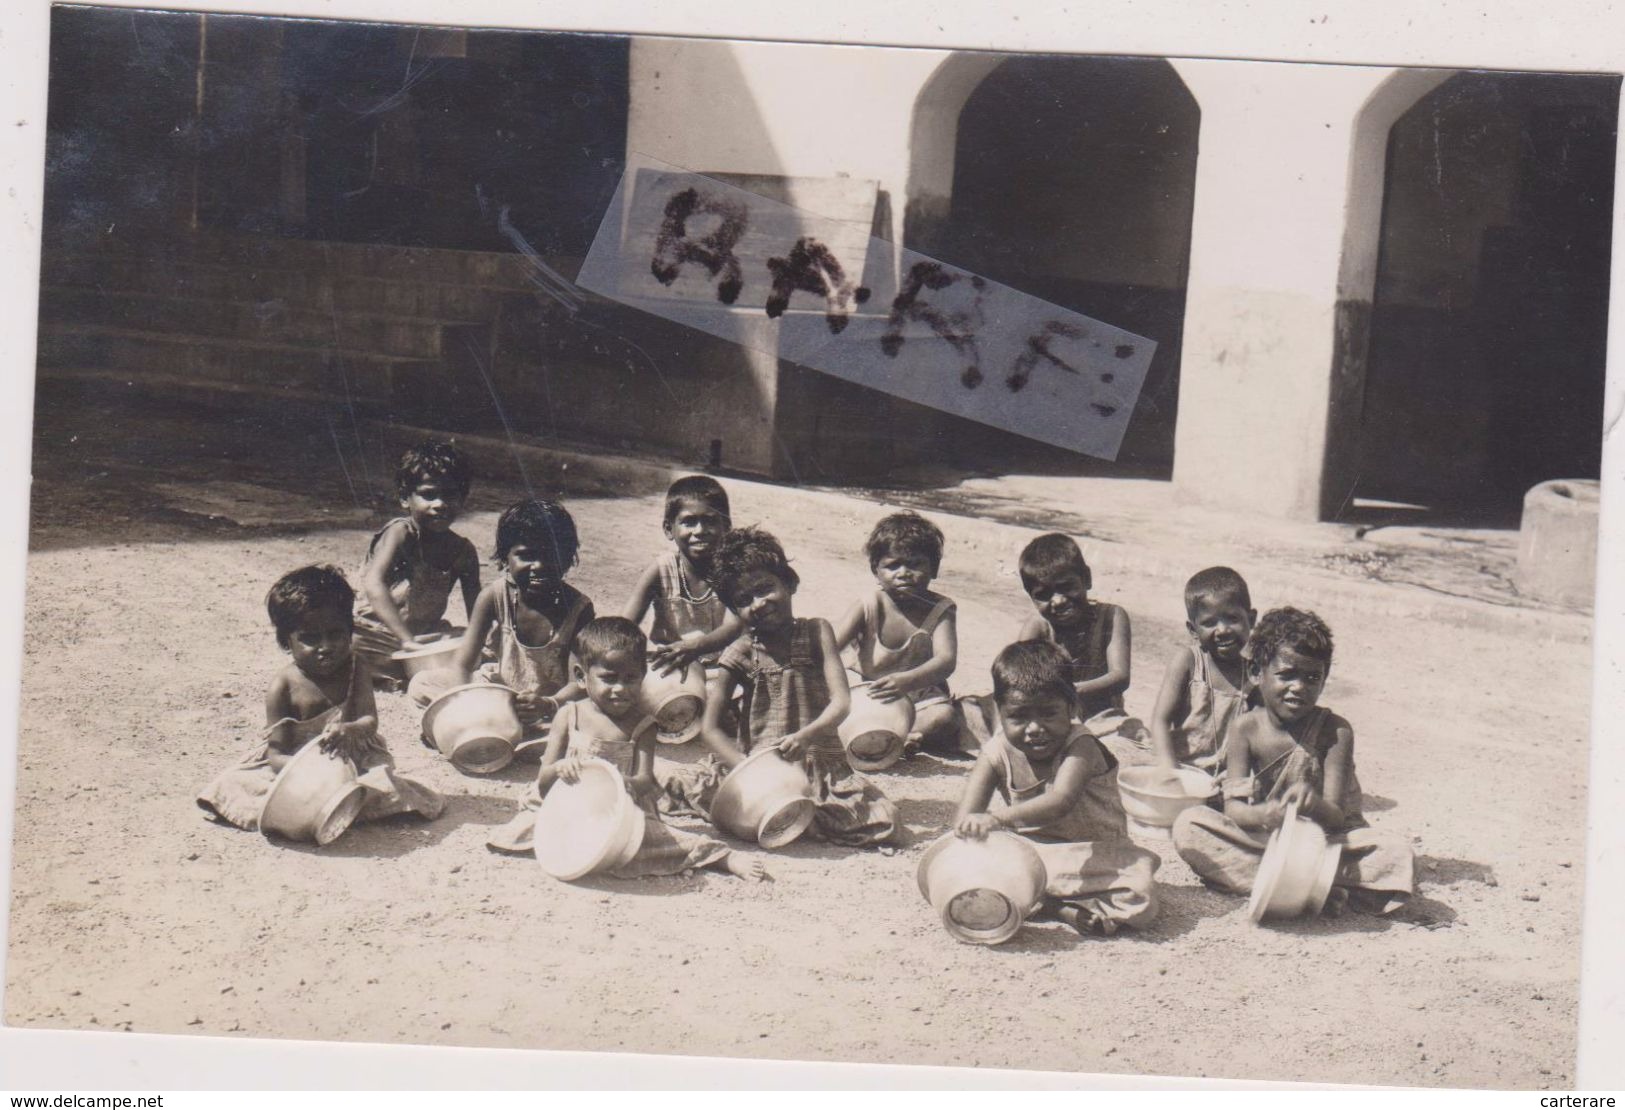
766, 798
983, 889
1296, 873
588, 825
314, 799
474, 726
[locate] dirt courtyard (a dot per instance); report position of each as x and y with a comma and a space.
148, 651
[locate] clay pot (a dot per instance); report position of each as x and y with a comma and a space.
676, 700
314, 799
874, 731
474, 726
589, 825
1297, 871
1154, 796
983, 889
766, 798
427, 657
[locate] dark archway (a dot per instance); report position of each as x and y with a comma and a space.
1074, 181
1489, 322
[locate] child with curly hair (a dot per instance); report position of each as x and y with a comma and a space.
1290, 751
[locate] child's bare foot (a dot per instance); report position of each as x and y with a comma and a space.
1337, 901
749, 868
911, 745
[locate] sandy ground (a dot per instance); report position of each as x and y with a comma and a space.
148, 652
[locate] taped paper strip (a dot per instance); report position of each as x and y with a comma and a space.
701, 252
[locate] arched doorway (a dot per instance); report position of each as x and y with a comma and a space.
1489, 320
1073, 180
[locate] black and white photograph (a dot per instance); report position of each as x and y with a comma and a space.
704, 546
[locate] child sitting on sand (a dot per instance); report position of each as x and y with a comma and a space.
1057, 786
1289, 750
324, 695
1205, 686
415, 560
690, 621
795, 693
533, 613
1094, 636
610, 724
905, 553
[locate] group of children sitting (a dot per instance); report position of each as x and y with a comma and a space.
1240, 702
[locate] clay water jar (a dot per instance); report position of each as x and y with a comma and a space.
676, 700
1154, 796
474, 726
427, 657
983, 889
874, 730
589, 825
314, 799
766, 799
1296, 873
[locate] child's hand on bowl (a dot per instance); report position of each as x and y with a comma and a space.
793, 746
569, 769
977, 826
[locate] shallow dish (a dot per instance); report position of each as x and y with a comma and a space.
427, 657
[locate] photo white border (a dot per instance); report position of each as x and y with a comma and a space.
1564, 35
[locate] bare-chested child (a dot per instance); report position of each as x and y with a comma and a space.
323, 696
1290, 753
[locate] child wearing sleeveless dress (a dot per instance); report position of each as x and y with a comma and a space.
690, 621
1094, 636
1289, 750
795, 695
609, 724
905, 553
323, 696
1205, 687
532, 614
1056, 785
416, 560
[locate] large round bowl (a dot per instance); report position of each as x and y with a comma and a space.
766, 798
874, 731
416, 659
676, 700
474, 726
588, 825
1154, 796
983, 889
1296, 873
314, 799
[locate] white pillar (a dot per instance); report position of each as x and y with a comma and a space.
1284, 241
